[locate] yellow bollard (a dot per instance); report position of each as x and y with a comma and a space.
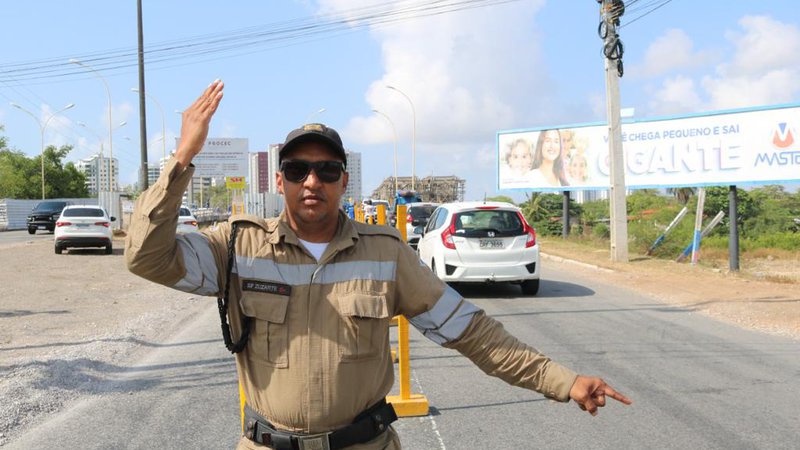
241, 403
406, 404
381, 214
401, 221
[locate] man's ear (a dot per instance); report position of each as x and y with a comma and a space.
345, 180
279, 182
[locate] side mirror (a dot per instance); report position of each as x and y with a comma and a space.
420, 230
113, 218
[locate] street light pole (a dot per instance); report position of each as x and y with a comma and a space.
108, 94
163, 122
42, 127
413, 136
394, 133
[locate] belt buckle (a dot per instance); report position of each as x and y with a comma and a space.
314, 442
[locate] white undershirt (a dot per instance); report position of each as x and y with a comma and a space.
315, 248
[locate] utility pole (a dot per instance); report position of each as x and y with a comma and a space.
610, 12
143, 171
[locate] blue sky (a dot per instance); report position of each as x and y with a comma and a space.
470, 73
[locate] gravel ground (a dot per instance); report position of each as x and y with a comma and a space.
66, 321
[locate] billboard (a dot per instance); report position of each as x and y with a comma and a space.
753, 146
222, 157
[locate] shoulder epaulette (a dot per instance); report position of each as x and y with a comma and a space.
267, 224
363, 228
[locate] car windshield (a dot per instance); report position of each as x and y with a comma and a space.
421, 212
50, 206
83, 212
185, 212
479, 223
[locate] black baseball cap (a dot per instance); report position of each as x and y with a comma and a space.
313, 132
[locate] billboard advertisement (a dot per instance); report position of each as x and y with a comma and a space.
754, 146
222, 157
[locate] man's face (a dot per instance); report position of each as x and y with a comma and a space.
311, 201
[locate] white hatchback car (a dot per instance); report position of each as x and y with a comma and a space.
479, 242
83, 226
187, 223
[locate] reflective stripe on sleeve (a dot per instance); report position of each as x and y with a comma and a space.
448, 318
201, 267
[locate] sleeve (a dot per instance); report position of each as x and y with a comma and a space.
189, 262
446, 318
497, 353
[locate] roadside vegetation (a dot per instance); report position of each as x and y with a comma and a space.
21, 176
769, 222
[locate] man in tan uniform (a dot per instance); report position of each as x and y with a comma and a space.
309, 297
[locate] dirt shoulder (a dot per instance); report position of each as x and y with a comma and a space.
69, 321
750, 298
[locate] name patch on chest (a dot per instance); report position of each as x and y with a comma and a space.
266, 287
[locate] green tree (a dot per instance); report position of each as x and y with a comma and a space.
21, 177
775, 211
717, 199
501, 198
682, 194
218, 197
544, 211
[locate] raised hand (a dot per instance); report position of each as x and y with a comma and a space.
195, 121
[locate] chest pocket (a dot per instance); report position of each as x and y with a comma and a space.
269, 337
364, 333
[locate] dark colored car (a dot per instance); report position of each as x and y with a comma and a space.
417, 215
44, 215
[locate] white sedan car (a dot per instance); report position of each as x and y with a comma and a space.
83, 226
480, 242
187, 223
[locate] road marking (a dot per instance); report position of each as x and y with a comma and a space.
434, 426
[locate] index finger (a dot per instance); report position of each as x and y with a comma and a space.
609, 391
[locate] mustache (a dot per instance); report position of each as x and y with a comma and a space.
313, 195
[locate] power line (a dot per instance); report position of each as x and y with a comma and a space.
656, 4
242, 41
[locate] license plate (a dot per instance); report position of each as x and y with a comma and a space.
491, 243
82, 225
41, 227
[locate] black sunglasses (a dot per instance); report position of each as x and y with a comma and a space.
297, 170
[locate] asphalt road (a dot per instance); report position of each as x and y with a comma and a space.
17, 236
696, 383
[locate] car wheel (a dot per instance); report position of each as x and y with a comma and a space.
58, 250
433, 267
31, 230
109, 249
530, 287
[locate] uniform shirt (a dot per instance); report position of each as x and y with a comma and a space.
318, 352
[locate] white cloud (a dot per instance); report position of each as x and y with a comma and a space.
671, 52
762, 70
677, 95
463, 72
765, 69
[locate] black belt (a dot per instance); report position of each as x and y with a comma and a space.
366, 426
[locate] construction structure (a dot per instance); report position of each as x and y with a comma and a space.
439, 189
